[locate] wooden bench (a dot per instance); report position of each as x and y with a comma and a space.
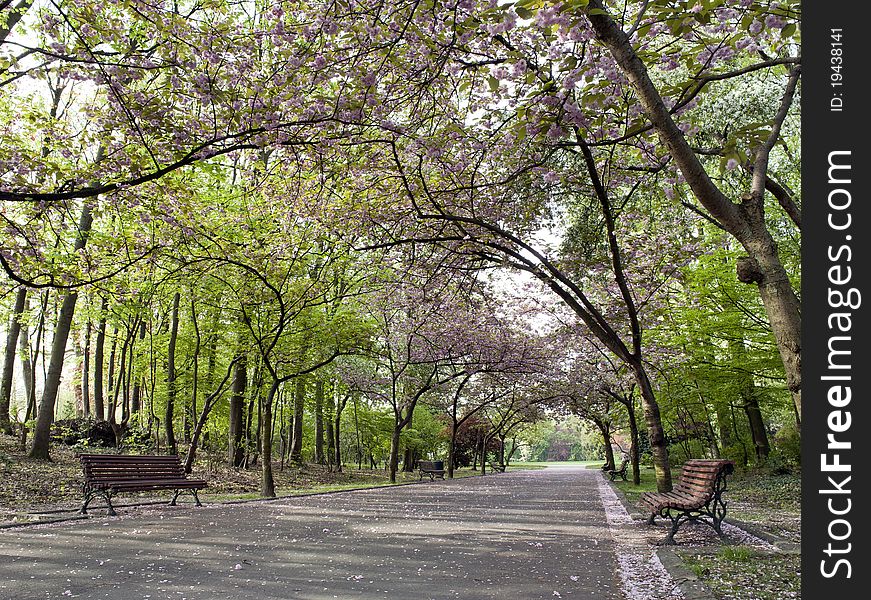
497, 467
697, 496
433, 468
613, 473
110, 474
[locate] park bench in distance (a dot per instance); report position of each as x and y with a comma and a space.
497, 467
697, 496
433, 468
613, 473
110, 474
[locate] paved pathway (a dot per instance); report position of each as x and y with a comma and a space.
512, 536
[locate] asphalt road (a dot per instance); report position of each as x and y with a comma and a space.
511, 536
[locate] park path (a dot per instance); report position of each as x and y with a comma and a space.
512, 536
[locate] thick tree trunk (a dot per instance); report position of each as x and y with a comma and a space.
236, 454
169, 416
45, 414
655, 432
298, 410
605, 432
9, 359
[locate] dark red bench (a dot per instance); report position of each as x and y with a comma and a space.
697, 496
109, 474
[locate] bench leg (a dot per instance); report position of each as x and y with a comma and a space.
192, 492
651, 518
90, 494
88, 497
669, 539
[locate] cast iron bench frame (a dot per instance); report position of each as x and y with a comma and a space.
428, 467
110, 474
613, 473
697, 497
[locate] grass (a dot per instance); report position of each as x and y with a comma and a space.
742, 573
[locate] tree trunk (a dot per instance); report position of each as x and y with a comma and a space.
136, 396
110, 413
329, 415
452, 447
393, 463
320, 458
408, 455
758, 432
169, 416
86, 373
79, 376
9, 359
605, 431
634, 455
45, 414
99, 349
655, 432
267, 483
236, 454
28, 375
337, 432
298, 409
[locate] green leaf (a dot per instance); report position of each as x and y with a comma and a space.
493, 83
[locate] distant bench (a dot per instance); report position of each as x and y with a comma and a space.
497, 467
619, 472
109, 474
698, 494
433, 468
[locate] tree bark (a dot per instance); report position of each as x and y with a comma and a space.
655, 432
45, 414
320, 457
99, 349
86, 373
9, 359
236, 455
298, 410
136, 396
267, 483
169, 416
337, 431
